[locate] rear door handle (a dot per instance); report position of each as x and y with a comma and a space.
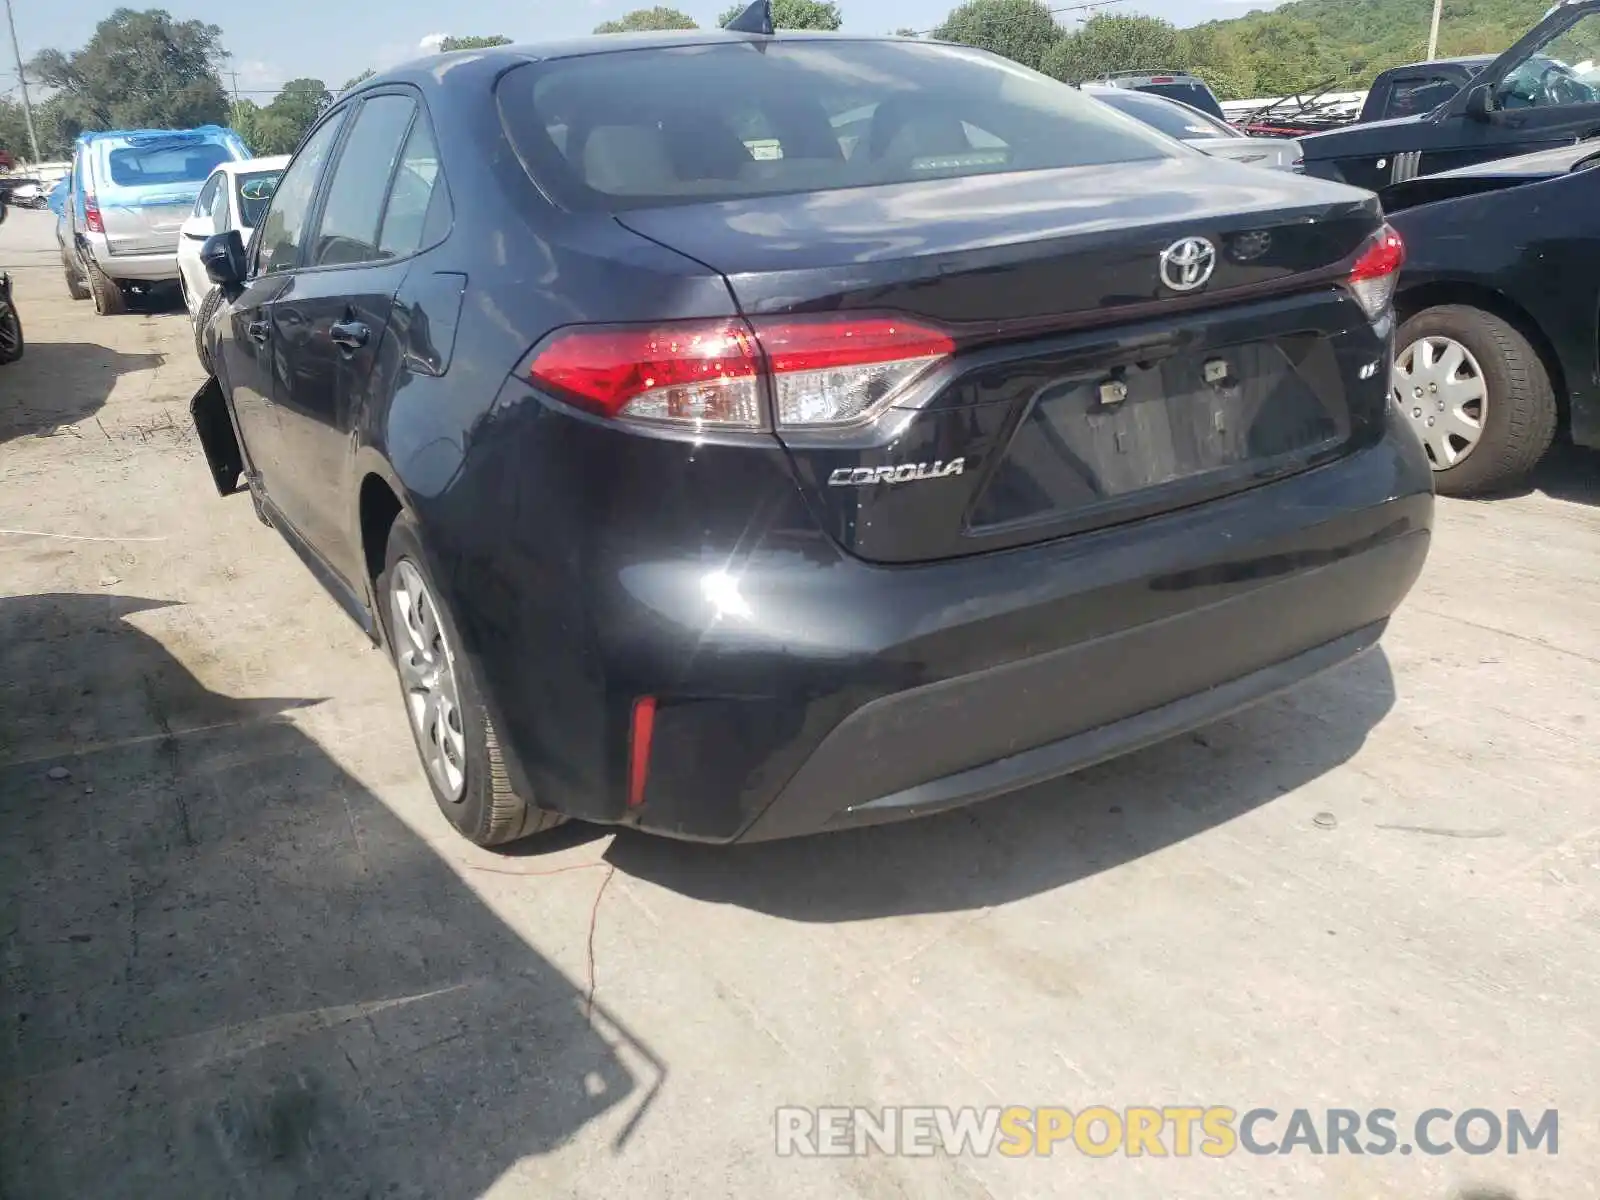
349, 335
257, 331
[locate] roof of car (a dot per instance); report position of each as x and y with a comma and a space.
266, 163
1466, 60
439, 65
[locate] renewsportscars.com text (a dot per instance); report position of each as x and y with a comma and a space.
1179, 1131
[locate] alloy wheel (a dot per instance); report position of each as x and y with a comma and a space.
427, 675
1440, 386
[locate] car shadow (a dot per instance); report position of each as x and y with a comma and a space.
230, 970
1047, 837
1569, 473
57, 384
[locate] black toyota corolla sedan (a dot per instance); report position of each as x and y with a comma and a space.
740, 436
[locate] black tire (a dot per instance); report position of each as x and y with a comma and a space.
76, 288
109, 299
1519, 415
202, 322
12, 344
488, 812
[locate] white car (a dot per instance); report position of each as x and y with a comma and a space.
234, 197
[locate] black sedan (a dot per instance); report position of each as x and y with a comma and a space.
1501, 308
710, 472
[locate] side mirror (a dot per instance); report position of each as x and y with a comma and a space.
222, 254
1477, 106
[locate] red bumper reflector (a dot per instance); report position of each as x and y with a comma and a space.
644, 727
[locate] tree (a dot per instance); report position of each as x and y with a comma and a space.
904, 32
358, 80
1022, 30
648, 18
139, 70
278, 128
1114, 42
795, 14
475, 43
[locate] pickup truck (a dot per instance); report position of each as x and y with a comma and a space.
1542, 93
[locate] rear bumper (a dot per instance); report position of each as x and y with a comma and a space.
158, 267
799, 689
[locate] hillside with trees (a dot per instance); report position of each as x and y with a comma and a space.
1300, 45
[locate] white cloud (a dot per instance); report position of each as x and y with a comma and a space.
431, 43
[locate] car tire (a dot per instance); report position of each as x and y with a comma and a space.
1517, 415
202, 322
12, 344
75, 285
109, 299
482, 805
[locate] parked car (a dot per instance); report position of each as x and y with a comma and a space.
233, 198
1204, 133
1499, 352
740, 497
1174, 85
131, 191
1535, 96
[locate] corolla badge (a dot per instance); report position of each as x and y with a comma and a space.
1188, 264
908, 473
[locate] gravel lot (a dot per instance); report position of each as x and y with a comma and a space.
244, 956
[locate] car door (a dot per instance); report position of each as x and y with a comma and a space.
192, 234
329, 323
244, 354
1540, 94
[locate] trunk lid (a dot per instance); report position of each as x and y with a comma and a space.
146, 183
1086, 390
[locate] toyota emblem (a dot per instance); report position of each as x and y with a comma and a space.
1188, 264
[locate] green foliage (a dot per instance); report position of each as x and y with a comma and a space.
140, 69
648, 18
1305, 43
794, 14
278, 128
1114, 42
358, 80
1022, 30
475, 43
903, 31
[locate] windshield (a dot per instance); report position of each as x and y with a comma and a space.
1556, 72
735, 121
1170, 117
255, 190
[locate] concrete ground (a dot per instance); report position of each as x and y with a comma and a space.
244, 956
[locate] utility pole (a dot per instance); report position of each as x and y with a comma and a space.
233, 77
1433, 34
22, 82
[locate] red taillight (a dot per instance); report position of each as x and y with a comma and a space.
708, 374
1163, 79
700, 373
1377, 272
643, 729
91, 215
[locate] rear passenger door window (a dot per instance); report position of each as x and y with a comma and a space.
352, 214
283, 228
418, 211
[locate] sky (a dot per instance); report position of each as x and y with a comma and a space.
286, 39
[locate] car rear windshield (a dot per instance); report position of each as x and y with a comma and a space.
1196, 95
159, 165
735, 120
1174, 120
